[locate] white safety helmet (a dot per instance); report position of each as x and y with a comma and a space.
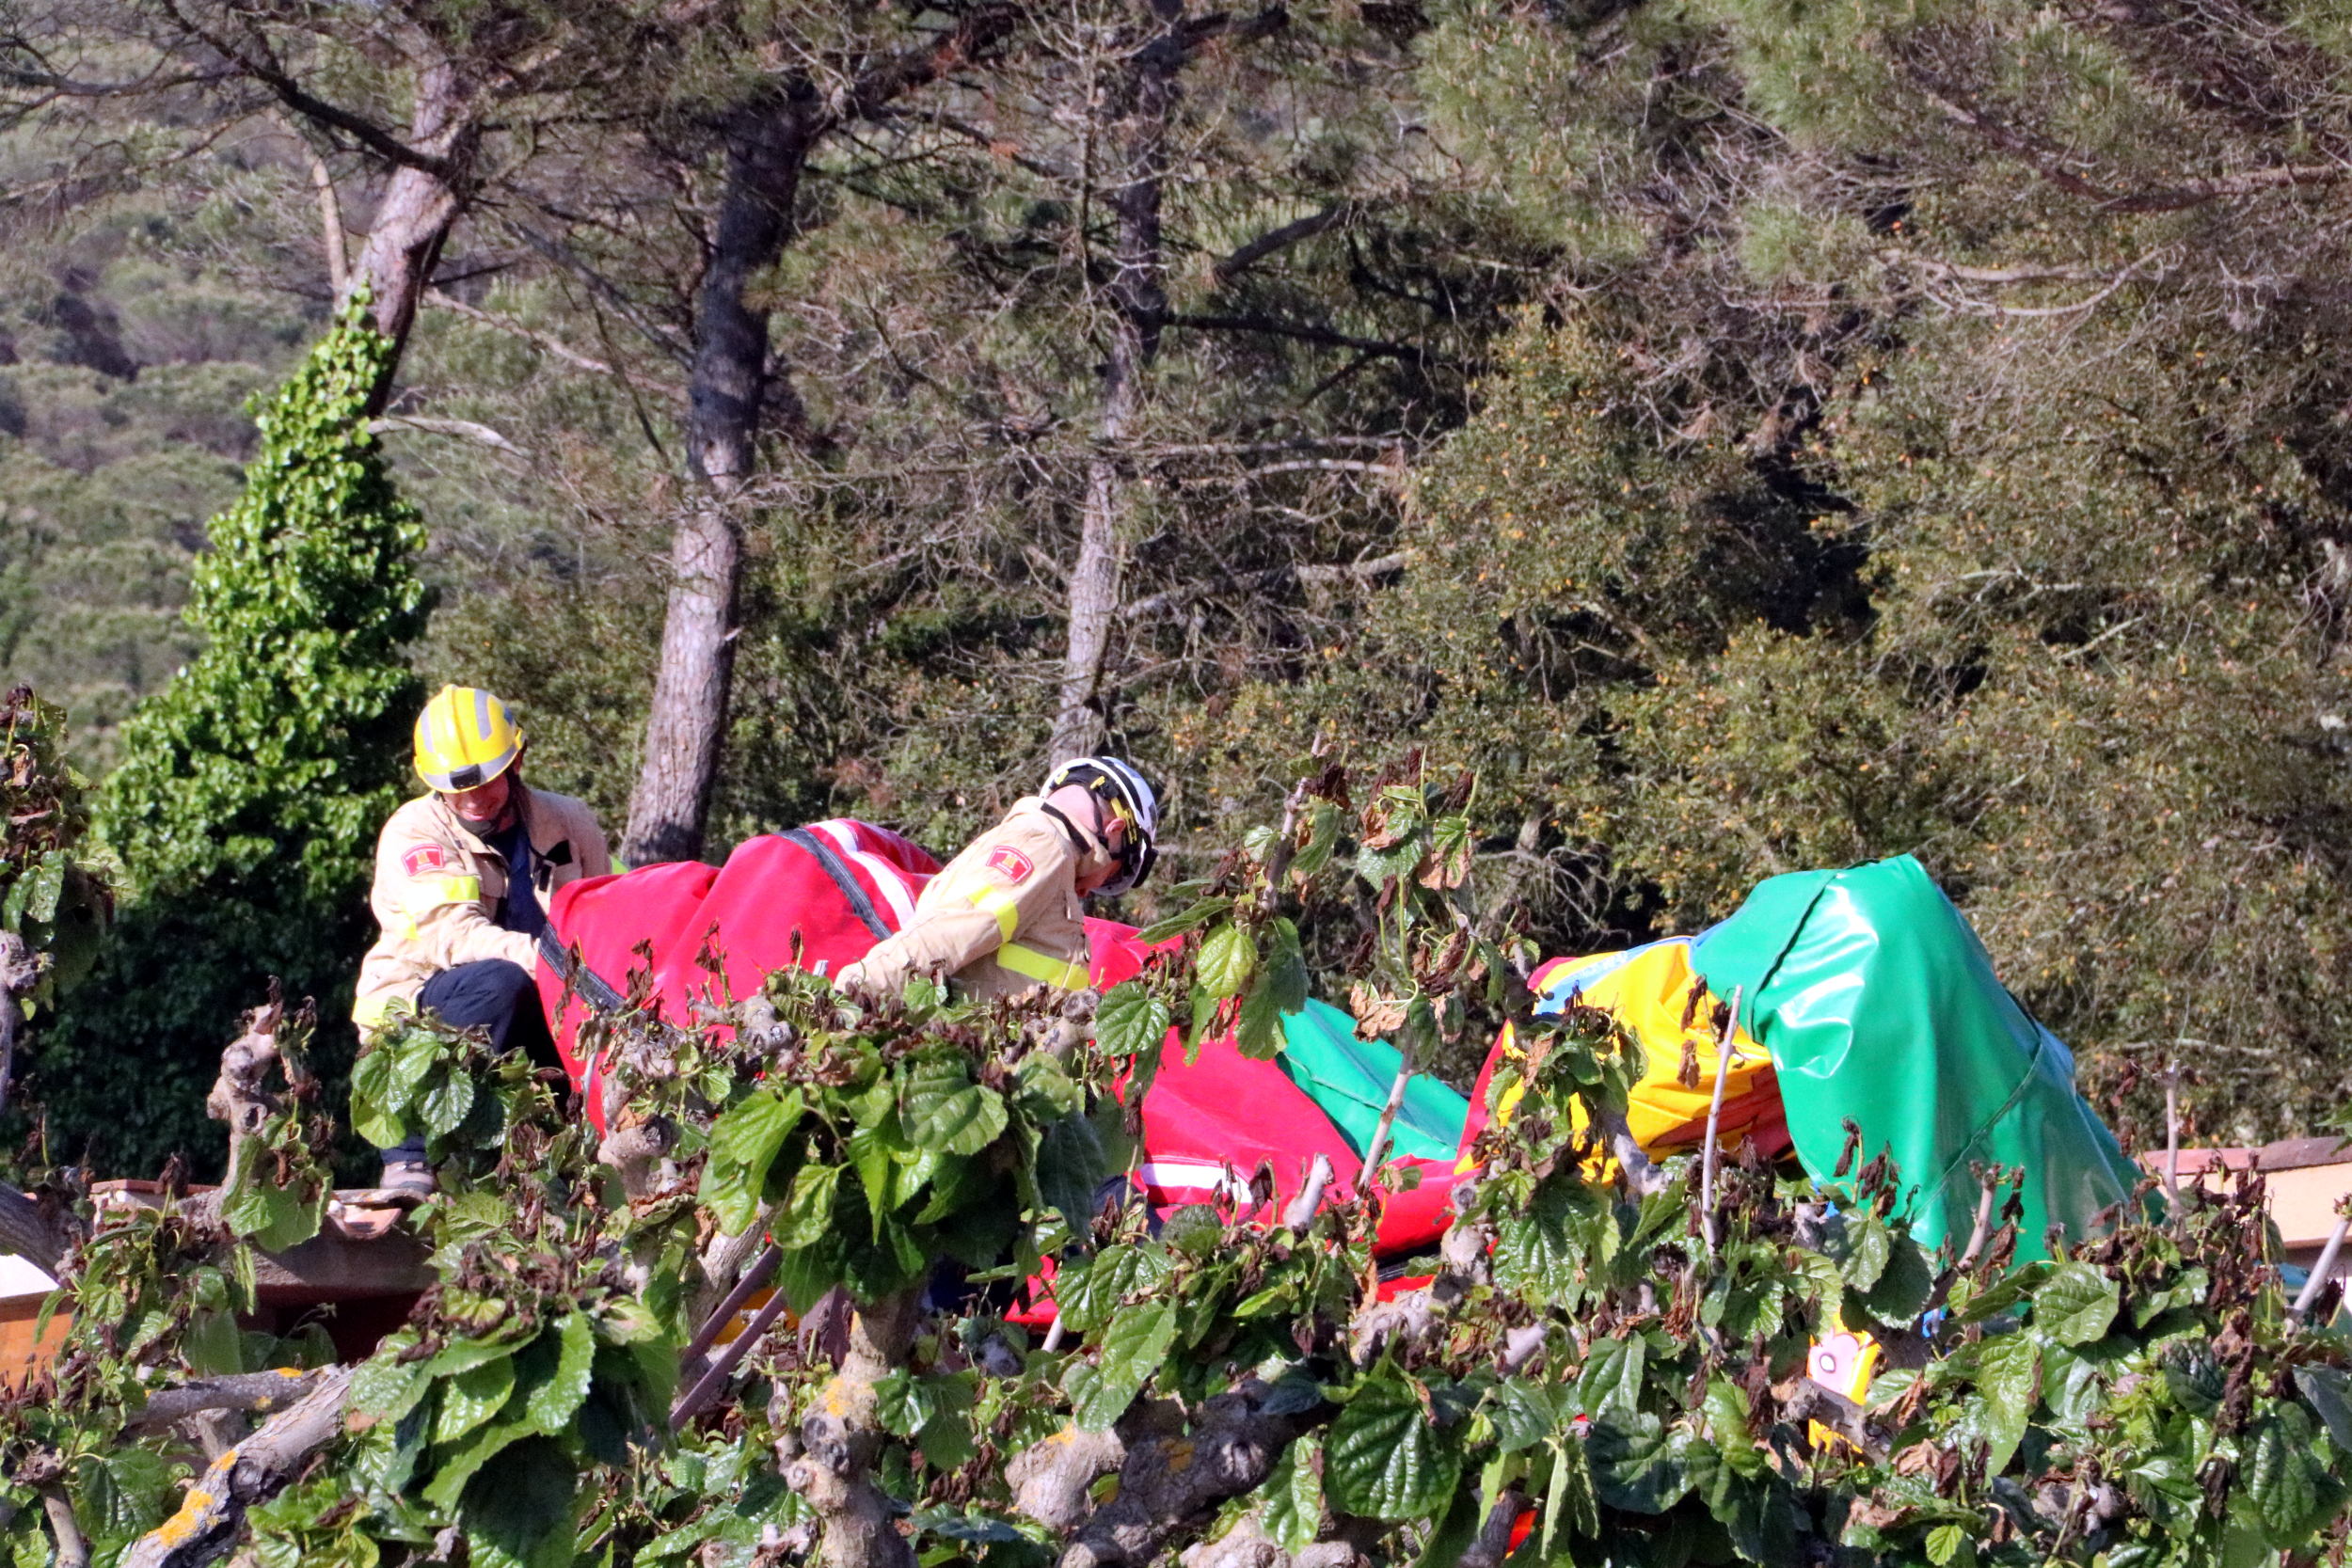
1126, 795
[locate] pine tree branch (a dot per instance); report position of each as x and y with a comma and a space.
1246, 582
270, 74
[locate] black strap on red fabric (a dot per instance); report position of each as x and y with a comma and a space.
843, 878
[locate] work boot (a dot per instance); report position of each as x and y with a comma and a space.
408, 1178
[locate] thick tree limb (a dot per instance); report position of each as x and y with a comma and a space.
211, 1515
19, 971
1305, 332
1168, 1482
2053, 162
1250, 255
1051, 1478
464, 430
841, 1435
246, 1393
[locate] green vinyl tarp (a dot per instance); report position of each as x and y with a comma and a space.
1349, 1078
1879, 1003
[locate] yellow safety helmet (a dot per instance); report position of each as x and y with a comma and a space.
464, 738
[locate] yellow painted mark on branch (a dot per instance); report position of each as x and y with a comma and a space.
190, 1518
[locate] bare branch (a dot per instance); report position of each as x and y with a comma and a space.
1250, 255
248, 1393
464, 429
269, 73
1249, 582
549, 343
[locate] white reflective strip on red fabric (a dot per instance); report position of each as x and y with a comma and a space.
1167, 1177
887, 878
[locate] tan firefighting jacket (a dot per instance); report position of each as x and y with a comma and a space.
438, 890
1002, 917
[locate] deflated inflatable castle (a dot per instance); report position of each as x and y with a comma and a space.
1862, 994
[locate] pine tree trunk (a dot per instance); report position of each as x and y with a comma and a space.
418, 209
767, 144
1139, 299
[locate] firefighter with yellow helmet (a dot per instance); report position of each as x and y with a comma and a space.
1008, 914
464, 874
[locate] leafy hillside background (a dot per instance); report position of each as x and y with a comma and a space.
1750, 436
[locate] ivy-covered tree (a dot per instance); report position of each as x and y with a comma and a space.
245, 812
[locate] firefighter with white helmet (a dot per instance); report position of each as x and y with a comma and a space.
464, 874
1008, 913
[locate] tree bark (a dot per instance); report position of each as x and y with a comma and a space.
422, 203
211, 1515
841, 1435
766, 145
1146, 100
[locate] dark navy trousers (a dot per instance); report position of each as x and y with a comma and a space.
496, 996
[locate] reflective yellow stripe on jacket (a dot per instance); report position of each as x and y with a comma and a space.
1031, 964
1027, 962
438, 891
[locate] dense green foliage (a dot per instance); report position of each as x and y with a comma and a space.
1605, 1360
51, 896
246, 811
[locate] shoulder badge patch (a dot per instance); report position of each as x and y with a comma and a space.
424, 860
1010, 863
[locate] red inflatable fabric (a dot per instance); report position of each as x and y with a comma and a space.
826, 892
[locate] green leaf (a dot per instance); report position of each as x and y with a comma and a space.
1258, 1032
448, 1096
752, 1131
551, 1404
374, 1115
1570, 1498
805, 1218
1048, 1092
459, 1465
941, 1108
1228, 957
2008, 1369
1071, 1169
1134, 1346
2076, 1304
1132, 1023
1177, 925
2329, 1392
1284, 976
472, 1397
1383, 1458
387, 1389
214, 1345
1541, 1249
2290, 1487
1088, 1296
1612, 1376
1867, 1243
519, 1515
1292, 1513
1638, 1464
2004, 1292
1522, 1413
